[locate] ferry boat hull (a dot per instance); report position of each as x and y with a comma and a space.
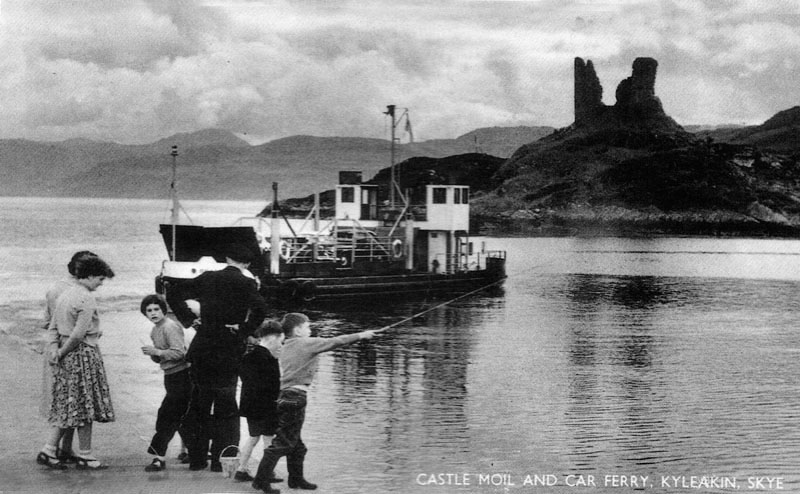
323, 282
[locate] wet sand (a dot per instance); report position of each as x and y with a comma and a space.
137, 390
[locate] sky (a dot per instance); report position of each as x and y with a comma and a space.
135, 71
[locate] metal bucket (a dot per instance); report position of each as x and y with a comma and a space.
229, 463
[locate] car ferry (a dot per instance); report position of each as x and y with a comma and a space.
416, 243
365, 251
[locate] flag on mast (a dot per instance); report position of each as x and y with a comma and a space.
408, 129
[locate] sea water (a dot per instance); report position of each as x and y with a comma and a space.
603, 364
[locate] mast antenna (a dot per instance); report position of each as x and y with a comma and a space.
173, 192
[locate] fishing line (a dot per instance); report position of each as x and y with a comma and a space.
447, 302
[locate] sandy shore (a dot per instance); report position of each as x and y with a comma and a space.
137, 390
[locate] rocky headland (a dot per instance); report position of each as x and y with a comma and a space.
629, 169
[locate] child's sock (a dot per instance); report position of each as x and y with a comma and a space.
86, 454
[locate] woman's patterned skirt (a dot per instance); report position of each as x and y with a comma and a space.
80, 389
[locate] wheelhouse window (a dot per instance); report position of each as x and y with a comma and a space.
440, 195
348, 194
457, 196
464, 196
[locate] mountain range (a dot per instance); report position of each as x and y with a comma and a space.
216, 164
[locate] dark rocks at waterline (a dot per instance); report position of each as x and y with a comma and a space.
628, 223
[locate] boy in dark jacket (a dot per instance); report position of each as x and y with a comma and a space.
261, 382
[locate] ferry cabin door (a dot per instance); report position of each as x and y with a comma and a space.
421, 258
440, 250
369, 203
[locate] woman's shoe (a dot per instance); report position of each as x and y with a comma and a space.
50, 461
82, 463
66, 457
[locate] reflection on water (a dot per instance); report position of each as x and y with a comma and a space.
580, 371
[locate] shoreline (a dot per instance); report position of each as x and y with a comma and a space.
582, 227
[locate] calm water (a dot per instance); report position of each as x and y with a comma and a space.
671, 357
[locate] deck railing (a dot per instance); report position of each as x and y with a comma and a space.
456, 263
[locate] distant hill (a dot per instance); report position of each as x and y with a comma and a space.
202, 138
475, 170
780, 133
216, 164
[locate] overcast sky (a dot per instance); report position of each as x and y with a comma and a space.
134, 71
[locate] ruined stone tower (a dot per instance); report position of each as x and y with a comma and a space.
637, 105
588, 91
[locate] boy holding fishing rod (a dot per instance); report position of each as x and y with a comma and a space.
299, 360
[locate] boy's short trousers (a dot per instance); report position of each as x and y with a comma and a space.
261, 427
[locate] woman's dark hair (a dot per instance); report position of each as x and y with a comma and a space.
153, 299
93, 266
78, 258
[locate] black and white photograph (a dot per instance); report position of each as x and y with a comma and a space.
417, 247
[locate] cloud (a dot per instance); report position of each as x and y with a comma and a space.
68, 112
111, 34
137, 71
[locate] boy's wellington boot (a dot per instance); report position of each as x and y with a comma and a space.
296, 479
265, 473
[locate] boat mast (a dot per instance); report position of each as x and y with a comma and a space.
173, 192
390, 110
275, 234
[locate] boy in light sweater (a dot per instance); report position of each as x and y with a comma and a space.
169, 351
299, 360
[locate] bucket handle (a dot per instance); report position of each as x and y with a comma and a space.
221, 453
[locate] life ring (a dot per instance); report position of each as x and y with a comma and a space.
397, 248
343, 261
285, 249
307, 291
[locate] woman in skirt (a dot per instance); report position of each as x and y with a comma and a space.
65, 453
80, 389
